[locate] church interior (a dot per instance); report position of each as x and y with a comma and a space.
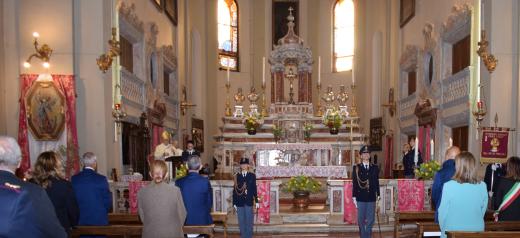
302, 89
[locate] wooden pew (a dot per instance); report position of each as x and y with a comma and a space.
220, 217
206, 230
486, 234
420, 217
489, 226
113, 230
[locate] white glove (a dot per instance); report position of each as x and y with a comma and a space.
494, 167
235, 206
355, 202
257, 205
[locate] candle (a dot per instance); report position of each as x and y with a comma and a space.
353, 78
227, 78
319, 69
432, 148
451, 142
416, 151
263, 71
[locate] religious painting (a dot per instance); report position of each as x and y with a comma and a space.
376, 134
45, 106
170, 8
158, 4
197, 134
280, 13
407, 11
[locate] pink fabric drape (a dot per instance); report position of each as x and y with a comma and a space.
133, 189
350, 210
156, 136
264, 200
389, 156
427, 145
410, 195
65, 83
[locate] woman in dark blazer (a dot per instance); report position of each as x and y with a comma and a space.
512, 212
48, 173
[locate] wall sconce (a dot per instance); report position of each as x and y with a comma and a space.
489, 60
184, 104
105, 60
391, 105
43, 53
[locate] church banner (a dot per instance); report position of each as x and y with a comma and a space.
410, 195
494, 144
264, 200
350, 210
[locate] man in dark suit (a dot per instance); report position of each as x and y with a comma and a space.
365, 192
244, 194
196, 194
409, 162
92, 192
190, 151
494, 172
25, 209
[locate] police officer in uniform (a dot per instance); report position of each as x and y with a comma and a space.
365, 192
244, 194
25, 210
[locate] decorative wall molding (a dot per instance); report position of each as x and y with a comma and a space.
169, 59
430, 42
429, 52
291, 51
408, 61
152, 32
458, 24
130, 23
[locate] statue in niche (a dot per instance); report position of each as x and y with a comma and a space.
239, 97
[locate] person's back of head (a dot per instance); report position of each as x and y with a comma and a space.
451, 153
47, 166
513, 168
10, 154
193, 163
89, 159
466, 168
158, 171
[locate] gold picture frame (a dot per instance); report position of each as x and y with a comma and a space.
45, 109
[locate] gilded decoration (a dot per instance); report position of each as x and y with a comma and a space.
45, 111
128, 13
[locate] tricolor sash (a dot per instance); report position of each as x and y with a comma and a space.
509, 198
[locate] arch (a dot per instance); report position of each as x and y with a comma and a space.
343, 42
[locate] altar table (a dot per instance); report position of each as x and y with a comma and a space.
290, 171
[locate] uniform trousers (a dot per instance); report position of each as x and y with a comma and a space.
366, 212
245, 221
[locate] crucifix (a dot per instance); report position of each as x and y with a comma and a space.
291, 76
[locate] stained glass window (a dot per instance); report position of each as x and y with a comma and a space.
228, 34
343, 53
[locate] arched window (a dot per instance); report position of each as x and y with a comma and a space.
228, 34
343, 52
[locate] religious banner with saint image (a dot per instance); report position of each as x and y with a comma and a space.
494, 144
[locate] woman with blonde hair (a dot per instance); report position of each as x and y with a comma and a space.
464, 198
48, 173
160, 205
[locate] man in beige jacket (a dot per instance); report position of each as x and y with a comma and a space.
161, 208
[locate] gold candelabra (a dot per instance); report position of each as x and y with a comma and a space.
319, 108
43, 53
228, 112
105, 60
353, 107
264, 103
184, 104
489, 59
118, 114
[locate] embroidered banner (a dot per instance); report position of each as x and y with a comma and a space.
494, 145
410, 195
133, 189
263, 188
350, 210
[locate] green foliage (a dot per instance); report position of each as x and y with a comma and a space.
302, 183
181, 171
252, 121
333, 120
277, 131
427, 170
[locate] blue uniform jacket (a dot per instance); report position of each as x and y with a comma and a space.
409, 163
198, 198
93, 196
240, 200
26, 210
372, 174
442, 176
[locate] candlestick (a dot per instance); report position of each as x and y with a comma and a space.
263, 72
319, 108
319, 70
353, 107
228, 104
353, 78
264, 103
227, 76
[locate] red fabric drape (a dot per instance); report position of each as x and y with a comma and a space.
389, 156
427, 144
264, 199
349, 208
65, 83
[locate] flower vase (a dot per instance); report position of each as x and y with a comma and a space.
333, 130
301, 199
251, 131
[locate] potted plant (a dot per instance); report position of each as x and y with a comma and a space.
277, 133
307, 131
301, 186
252, 122
333, 121
427, 170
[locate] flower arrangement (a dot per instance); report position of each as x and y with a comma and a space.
181, 171
427, 170
332, 120
277, 131
307, 128
252, 121
302, 183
